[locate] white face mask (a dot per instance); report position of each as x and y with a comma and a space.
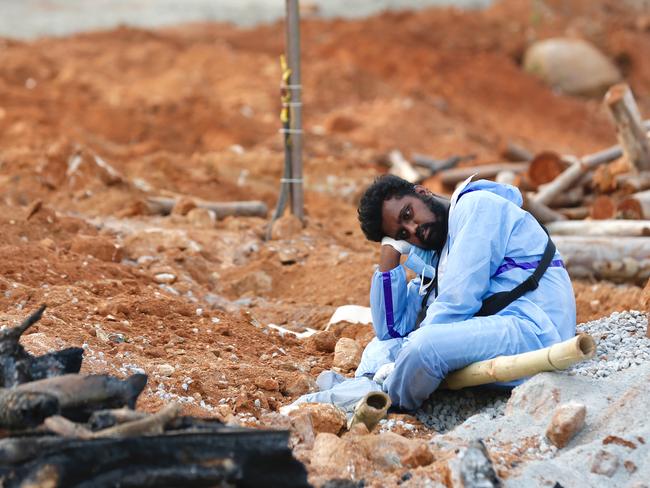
422, 262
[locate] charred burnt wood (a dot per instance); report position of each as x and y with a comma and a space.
79, 395
152, 424
18, 366
103, 419
24, 409
242, 457
476, 467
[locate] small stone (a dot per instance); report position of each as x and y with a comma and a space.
257, 283
325, 417
268, 384
568, 419
324, 341
99, 247
392, 451
347, 354
300, 385
164, 278
332, 454
605, 463
201, 217
286, 227
166, 370
287, 256
303, 429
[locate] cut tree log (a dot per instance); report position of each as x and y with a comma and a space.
636, 206
574, 213
25, 409
103, 419
601, 228
241, 457
633, 183
253, 208
436, 165
151, 424
544, 168
399, 166
453, 176
570, 175
603, 207
78, 395
629, 125
625, 259
515, 152
18, 366
540, 211
570, 198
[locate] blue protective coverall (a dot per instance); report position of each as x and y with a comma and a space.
492, 245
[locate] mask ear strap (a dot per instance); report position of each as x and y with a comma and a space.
432, 287
422, 290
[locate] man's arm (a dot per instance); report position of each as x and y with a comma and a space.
393, 306
389, 258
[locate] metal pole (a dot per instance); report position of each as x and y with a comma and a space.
293, 57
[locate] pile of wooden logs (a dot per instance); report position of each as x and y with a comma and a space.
597, 207
59, 428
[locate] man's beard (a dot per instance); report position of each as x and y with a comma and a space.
433, 235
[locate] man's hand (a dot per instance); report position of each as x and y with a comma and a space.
391, 250
383, 372
402, 247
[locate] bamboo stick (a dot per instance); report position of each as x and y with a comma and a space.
629, 126
370, 409
508, 368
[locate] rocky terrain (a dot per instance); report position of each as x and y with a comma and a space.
91, 125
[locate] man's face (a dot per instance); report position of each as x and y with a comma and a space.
419, 219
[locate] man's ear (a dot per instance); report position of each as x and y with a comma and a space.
421, 190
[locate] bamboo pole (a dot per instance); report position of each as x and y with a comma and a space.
629, 126
508, 368
293, 57
370, 409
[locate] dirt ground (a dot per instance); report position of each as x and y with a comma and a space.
193, 111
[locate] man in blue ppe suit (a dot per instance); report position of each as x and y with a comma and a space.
462, 251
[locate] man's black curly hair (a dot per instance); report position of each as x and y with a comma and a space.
383, 188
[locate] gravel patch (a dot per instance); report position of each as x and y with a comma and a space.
621, 344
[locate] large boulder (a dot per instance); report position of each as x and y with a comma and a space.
572, 66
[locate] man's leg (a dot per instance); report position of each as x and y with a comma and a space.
433, 351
